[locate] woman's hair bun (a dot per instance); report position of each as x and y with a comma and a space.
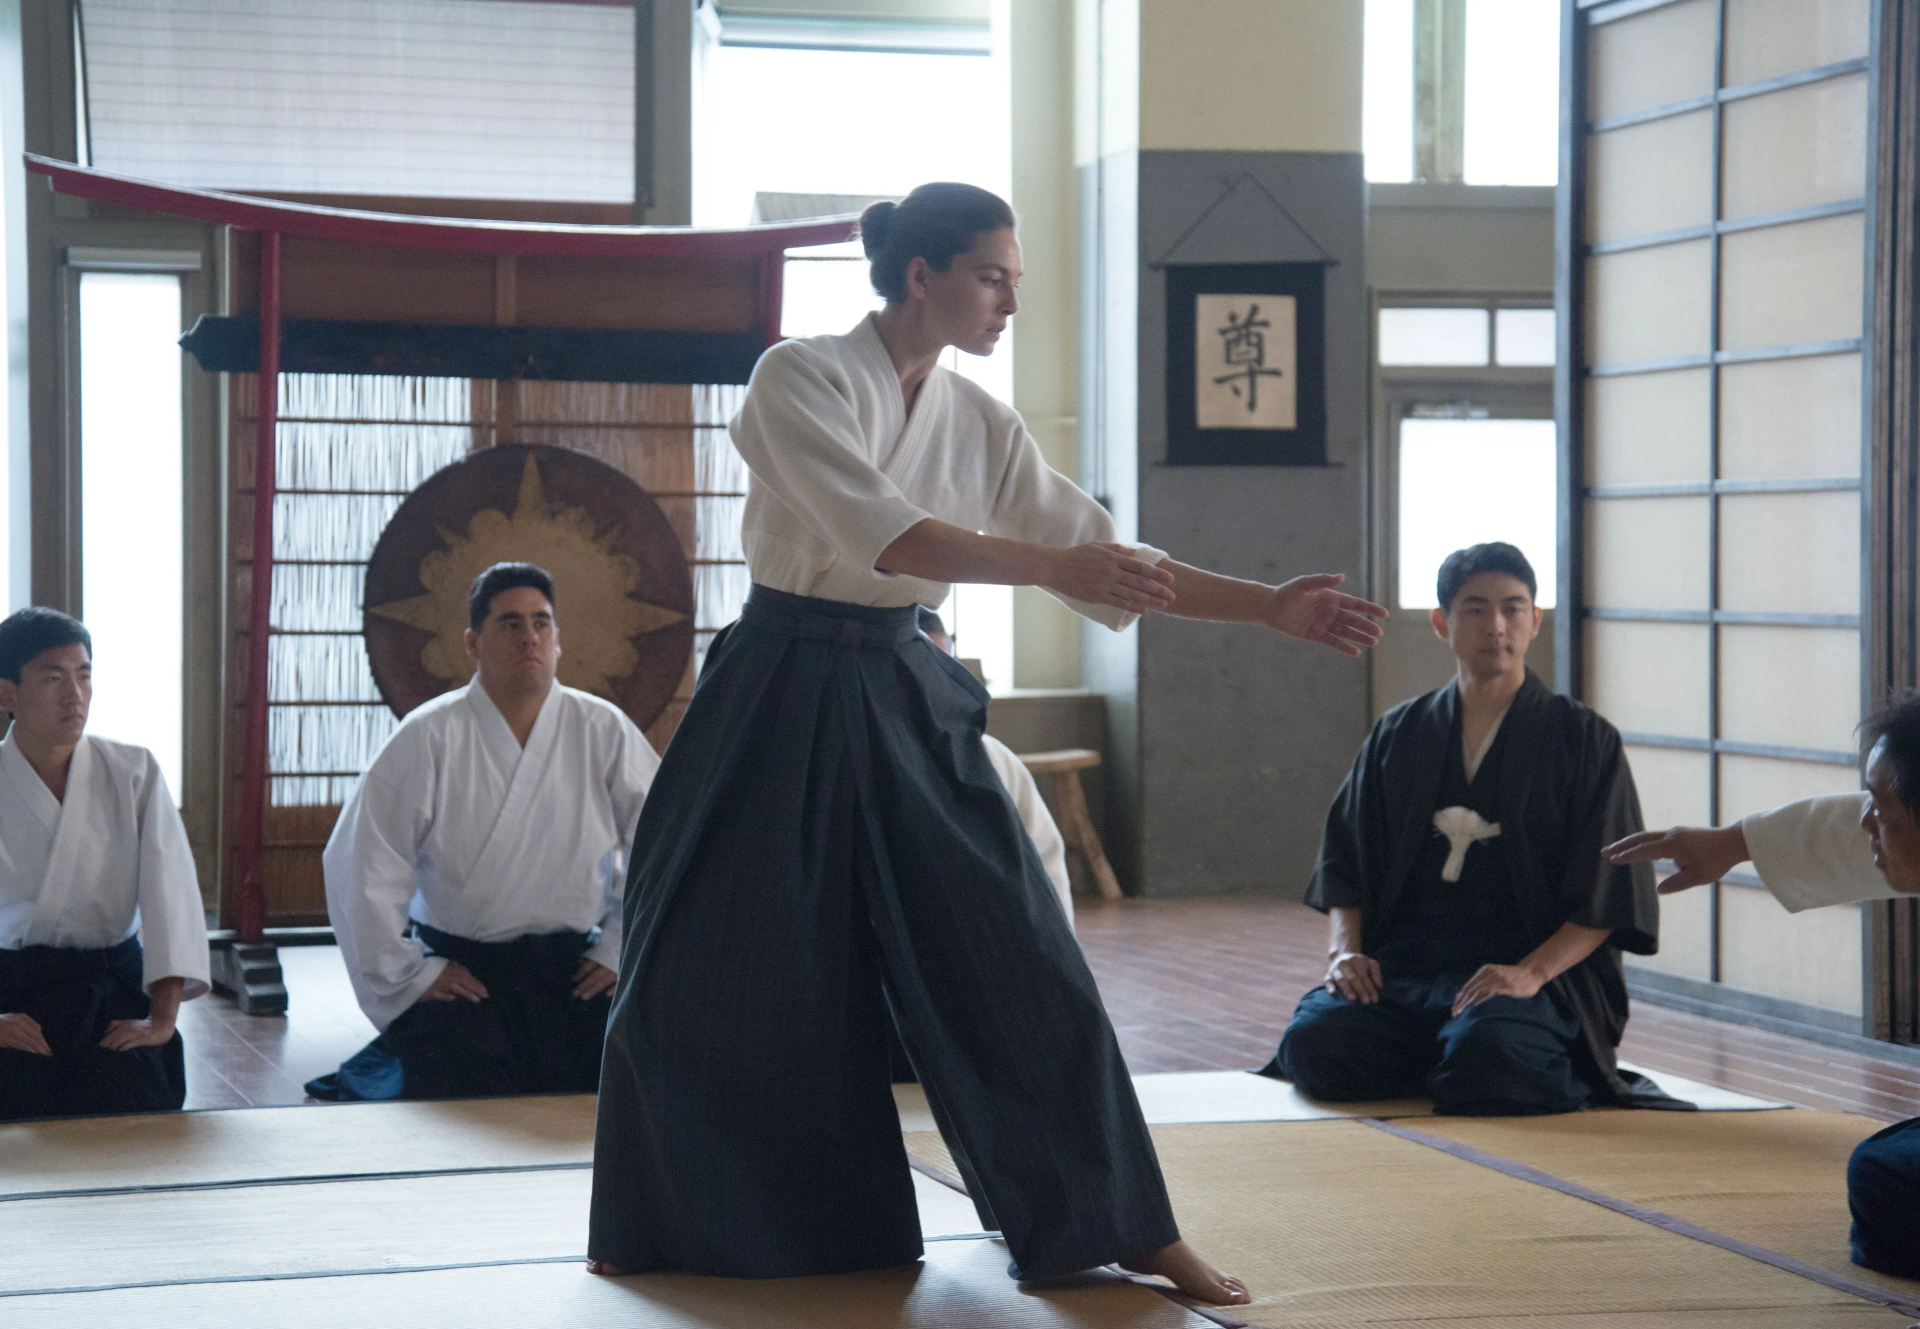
873, 227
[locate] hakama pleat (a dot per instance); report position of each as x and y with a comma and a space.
75, 995
827, 837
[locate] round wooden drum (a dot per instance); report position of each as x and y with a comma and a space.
625, 596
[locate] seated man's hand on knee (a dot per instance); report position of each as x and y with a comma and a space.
22, 1033
1354, 976
1498, 980
154, 1031
591, 979
455, 981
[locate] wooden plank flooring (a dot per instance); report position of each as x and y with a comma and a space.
1191, 985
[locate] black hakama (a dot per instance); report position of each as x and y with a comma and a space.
75, 995
827, 836
530, 1035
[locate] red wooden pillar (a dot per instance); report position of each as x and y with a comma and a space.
253, 787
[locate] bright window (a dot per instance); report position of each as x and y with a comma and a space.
1387, 91
1524, 336
1433, 336
1463, 482
1513, 92
132, 516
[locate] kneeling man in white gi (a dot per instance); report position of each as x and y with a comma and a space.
93, 862
474, 880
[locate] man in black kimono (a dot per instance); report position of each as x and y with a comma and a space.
1476, 932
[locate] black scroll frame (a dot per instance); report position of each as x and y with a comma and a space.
1303, 445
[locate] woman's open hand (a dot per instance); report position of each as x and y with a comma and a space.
1109, 574
1311, 609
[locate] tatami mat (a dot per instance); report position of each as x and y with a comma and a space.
1345, 1225
371, 1224
960, 1285
1777, 1179
196, 1148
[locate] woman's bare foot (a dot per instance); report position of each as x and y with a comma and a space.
1181, 1265
605, 1270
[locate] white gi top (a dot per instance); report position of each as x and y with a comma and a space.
109, 860
839, 472
1813, 853
1034, 815
456, 826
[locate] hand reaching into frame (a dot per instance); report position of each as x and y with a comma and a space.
1699, 855
1311, 609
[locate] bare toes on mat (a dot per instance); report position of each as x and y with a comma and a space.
605, 1269
1181, 1265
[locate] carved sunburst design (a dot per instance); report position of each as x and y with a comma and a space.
594, 582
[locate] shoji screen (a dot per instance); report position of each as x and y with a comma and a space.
1718, 249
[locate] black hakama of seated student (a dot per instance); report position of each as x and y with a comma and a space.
1883, 1191
1557, 785
530, 1035
75, 995
827, 836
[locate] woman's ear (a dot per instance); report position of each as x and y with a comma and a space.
918, 274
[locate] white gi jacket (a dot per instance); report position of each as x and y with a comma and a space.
1034, 816
109, 860
839, 472
1813, 853
457, 827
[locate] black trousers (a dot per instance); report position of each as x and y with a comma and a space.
74, 995
826, 838
1883, 1191
530, 1036
1503, 1057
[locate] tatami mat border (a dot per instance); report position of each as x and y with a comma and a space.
313, 1179
1879, 1296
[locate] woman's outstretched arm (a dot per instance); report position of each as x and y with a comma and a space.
1311, 608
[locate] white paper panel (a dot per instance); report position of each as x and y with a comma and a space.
1781, 285
1648, 678
1647, 304
1754, 784
1795, 148
1672, 783
1793, 687
1684, 931
1647, 428
1650, 177
1647, 553
1790, 418
1650, 59
1791, 553
1813, 957
1770, 37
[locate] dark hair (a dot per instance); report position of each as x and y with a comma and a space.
28, 632
1897, 724
935, 222
504, 577
1463, 565
932, 625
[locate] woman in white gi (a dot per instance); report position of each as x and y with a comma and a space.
827, 836
93, 863
1822, 851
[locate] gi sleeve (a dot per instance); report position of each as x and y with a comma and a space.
1339, 873
1037, 504
799, 435
173, 921
629, 777
1813, 853
1595, 893
1041, 827
369, 869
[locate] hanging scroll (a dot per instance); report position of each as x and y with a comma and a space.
1245, 365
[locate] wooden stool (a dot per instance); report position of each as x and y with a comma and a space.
1070, 809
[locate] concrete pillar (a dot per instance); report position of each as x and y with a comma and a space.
1226, 742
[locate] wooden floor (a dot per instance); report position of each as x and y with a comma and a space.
1191, 985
